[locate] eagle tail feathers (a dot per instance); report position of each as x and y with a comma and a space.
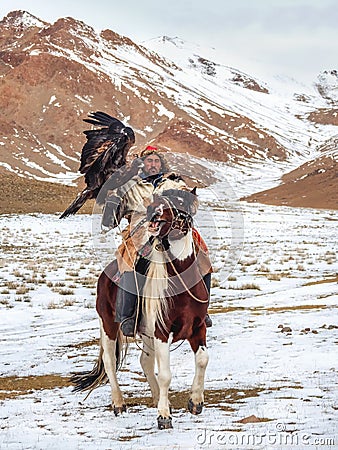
77, 203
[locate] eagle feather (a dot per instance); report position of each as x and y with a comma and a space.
104, 153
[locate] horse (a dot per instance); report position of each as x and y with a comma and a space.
174, 303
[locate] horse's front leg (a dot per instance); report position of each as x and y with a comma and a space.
198, 345
164, 378
147, 360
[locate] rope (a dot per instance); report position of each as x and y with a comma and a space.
185, 286
153, 349
177, 346
142, 349
174, 268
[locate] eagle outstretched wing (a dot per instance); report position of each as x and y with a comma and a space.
104, 153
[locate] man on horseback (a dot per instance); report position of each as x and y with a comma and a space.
130, 201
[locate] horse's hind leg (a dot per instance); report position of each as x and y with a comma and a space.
111, 336
109, 360
147, 360
198, 345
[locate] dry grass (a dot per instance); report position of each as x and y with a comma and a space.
72, 273
22, 290
249, 262
12, 285
274, 277
5, 302
66, 291
24, 298
12, 387
214, 282
89, 282
24, 195
292, 308
225, 309
325, 280
63, 304
246, 286
232, 278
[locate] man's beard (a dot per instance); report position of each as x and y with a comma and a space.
153, 171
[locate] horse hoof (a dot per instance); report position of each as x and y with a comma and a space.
195, 408
119, 409
164, 422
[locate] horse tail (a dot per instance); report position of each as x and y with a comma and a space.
90, 380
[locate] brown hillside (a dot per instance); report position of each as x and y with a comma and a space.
23, 195
52, 75
311, 185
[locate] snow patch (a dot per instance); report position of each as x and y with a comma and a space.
163, 111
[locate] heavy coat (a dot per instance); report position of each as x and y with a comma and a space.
135, 196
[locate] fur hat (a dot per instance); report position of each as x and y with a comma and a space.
150, 150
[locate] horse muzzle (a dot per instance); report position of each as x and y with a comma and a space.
155, 226
156, 222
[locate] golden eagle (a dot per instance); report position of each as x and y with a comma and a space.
103, 154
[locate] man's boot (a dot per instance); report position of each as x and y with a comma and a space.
207, 281
127, 304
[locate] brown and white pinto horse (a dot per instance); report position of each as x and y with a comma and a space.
173, 307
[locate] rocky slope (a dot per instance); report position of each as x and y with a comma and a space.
312, 185
173, 94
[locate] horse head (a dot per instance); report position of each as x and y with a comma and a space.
170, 214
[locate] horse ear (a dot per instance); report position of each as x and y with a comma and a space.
193, 191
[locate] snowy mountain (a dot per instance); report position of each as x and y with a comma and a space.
173, 93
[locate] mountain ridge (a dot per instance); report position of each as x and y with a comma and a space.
52, 75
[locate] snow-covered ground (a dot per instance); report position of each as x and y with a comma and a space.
283, 272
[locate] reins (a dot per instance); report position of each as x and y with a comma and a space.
179, 218
185, 218
185, 286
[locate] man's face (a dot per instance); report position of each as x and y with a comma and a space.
152, 164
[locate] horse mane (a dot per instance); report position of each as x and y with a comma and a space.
175, 177
172, 192
155, 301
189, 198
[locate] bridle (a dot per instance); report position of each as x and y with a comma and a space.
180, 220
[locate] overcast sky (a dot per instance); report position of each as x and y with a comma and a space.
293, 37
